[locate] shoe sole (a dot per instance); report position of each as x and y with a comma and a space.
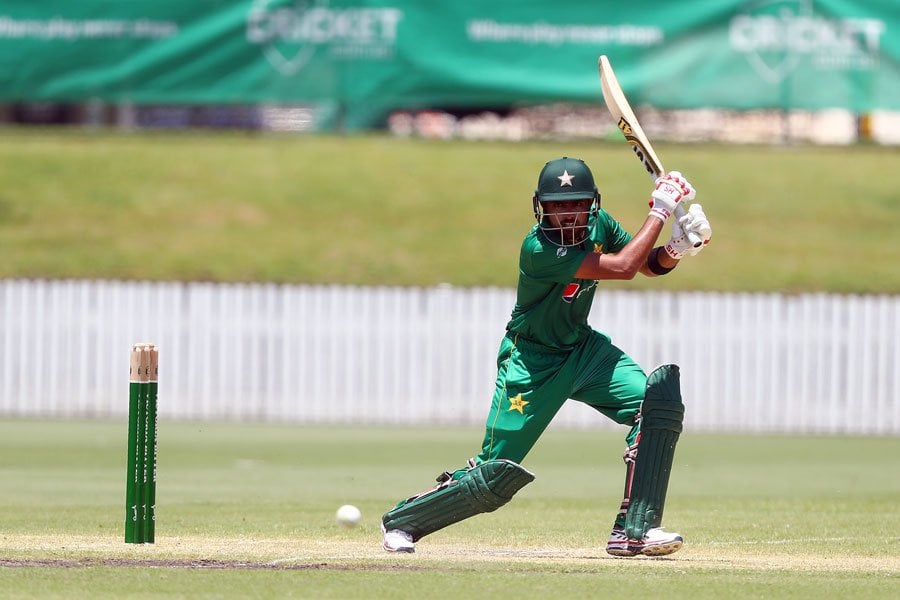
620, 551
662, 549
654, 550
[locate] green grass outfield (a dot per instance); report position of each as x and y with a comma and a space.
374, 210
247, 511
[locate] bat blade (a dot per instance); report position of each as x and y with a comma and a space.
626, 121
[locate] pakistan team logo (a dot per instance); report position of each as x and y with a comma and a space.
777, 35
292, 33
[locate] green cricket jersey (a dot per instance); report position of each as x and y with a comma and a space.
552, 306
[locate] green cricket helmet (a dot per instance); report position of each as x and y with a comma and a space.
565, 179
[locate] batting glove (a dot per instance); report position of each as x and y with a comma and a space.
671, 189
693, 222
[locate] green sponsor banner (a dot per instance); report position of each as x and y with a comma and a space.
370, 56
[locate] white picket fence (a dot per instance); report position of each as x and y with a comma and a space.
312, 354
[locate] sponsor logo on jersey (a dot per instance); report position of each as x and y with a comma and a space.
571, 292
575, 290
561, 251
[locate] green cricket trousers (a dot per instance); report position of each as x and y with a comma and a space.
533, 382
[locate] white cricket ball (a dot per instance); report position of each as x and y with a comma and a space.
348, 515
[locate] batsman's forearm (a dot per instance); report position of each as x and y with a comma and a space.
626, 263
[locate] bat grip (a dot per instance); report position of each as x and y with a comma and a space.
693, 238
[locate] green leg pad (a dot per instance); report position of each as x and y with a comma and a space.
662, 415
483, 488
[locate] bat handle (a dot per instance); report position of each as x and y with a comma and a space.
693, 238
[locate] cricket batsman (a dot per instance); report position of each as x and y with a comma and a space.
550, 354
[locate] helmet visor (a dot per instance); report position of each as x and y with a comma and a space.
566, 222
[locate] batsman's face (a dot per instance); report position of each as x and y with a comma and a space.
569, 217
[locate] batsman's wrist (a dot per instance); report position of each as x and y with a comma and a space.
655, 266
660, 213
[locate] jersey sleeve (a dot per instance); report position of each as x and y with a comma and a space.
615, 235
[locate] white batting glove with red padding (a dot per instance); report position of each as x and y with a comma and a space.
693, 222
671, 189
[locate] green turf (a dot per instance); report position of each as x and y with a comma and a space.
380, 211
248, 511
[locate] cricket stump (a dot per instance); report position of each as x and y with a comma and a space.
140, 485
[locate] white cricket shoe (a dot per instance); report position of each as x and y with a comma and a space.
656, 542
398, 541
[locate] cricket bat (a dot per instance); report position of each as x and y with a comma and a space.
628, 124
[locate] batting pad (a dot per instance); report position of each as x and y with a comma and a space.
483, 488
662, 415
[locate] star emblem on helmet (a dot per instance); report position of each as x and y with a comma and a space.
565, 179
